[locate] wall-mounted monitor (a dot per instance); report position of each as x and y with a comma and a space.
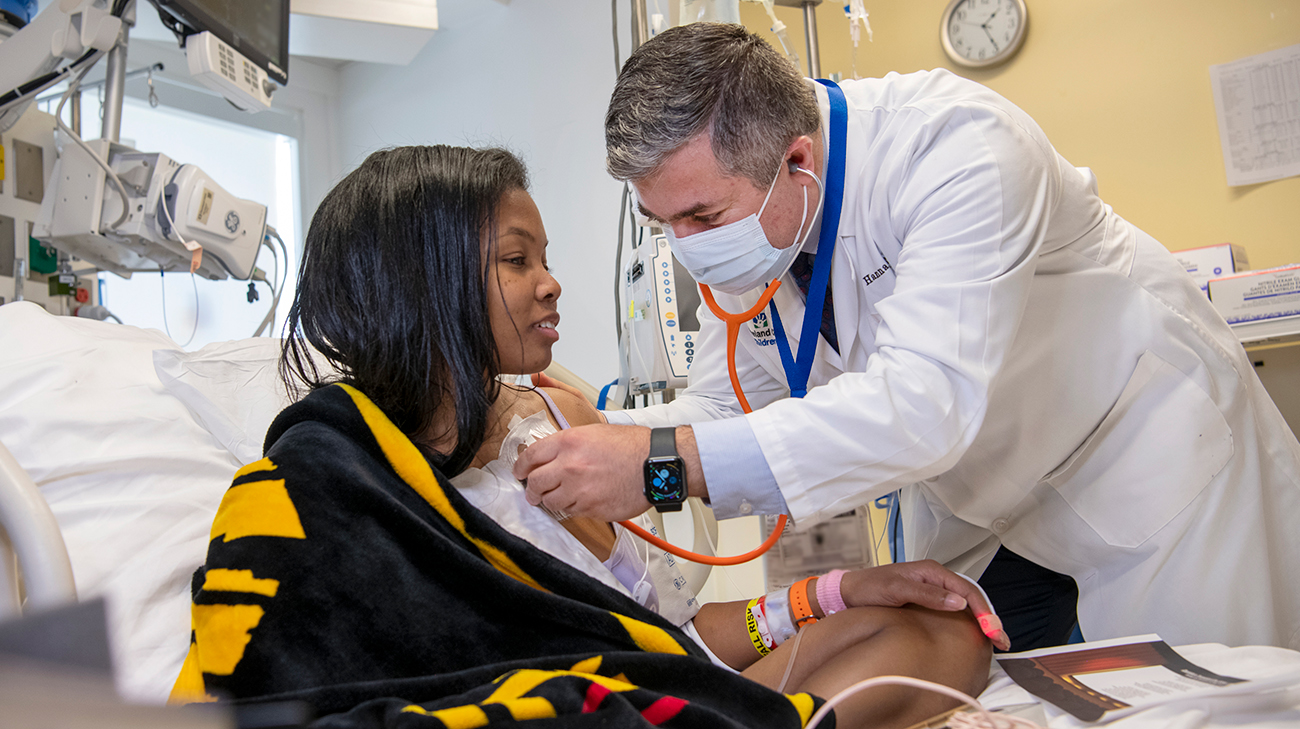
257, 29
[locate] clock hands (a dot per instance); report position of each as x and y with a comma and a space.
989, 33
991, 38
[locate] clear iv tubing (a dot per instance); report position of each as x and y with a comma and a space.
980, 719
733, 322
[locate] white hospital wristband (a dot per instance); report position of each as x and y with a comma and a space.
779, 620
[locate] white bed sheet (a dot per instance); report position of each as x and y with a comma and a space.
133, 443
132, 478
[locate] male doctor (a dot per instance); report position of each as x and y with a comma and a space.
1057, 399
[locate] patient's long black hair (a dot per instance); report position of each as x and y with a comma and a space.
392, 289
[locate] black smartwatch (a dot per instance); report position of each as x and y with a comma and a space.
665, 473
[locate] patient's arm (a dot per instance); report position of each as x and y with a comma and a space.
597, 536
575, 407
862, 643
857, 644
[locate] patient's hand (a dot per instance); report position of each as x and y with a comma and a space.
926, 583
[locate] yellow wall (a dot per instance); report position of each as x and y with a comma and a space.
1121, 86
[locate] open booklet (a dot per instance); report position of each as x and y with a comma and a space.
1108, 679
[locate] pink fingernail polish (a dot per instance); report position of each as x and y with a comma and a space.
990, 624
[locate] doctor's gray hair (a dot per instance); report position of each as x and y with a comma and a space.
707, 77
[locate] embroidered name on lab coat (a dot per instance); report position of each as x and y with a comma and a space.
876, 274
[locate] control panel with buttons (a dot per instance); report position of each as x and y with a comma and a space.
661, 328
223, 69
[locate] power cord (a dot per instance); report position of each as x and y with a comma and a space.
980, 719
276, 291
162, 273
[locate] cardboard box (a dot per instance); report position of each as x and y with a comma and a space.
1273, 293
1208, 262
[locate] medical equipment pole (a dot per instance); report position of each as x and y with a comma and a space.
640, 24
115, 88
75, 113
809, 32
810, 36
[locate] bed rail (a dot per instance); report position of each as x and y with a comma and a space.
29, 533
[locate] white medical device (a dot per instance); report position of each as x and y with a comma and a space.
661, 326
239, 48
219, 67
114, 207
169, 205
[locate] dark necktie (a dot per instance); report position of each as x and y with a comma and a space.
802, 269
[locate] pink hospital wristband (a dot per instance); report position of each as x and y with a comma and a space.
828, 592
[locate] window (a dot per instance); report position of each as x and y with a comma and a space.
249, 163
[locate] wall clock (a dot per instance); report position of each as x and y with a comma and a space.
983, 33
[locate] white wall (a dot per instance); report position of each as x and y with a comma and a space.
534, 76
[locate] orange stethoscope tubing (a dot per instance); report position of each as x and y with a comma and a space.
733, 322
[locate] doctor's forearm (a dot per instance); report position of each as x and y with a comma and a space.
689, 452
685, 409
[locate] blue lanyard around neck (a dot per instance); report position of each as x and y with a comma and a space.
797, 370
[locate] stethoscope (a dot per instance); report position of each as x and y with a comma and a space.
797, 367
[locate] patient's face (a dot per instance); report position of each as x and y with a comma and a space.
522, 293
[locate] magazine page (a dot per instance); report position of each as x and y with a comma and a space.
1101, 679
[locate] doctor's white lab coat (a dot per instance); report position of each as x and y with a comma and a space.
1032, 370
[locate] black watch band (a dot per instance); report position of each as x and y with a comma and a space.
665, 472
663, 442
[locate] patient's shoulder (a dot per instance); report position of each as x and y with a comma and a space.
577, 410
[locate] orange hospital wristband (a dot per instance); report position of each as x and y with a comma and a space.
800, 604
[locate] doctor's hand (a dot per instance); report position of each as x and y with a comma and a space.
926, 583
595, 471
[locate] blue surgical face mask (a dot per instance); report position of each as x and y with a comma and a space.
737, 257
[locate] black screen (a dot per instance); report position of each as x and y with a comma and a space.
258, 29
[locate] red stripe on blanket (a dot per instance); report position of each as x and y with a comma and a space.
663, 710
595, 695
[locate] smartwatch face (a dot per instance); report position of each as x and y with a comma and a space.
665, 482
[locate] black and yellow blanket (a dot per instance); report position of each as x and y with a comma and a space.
343, 570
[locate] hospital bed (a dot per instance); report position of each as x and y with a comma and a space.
118, 447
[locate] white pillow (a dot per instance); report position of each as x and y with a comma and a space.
232, 388
133, 477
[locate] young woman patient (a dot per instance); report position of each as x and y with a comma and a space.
344, 569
